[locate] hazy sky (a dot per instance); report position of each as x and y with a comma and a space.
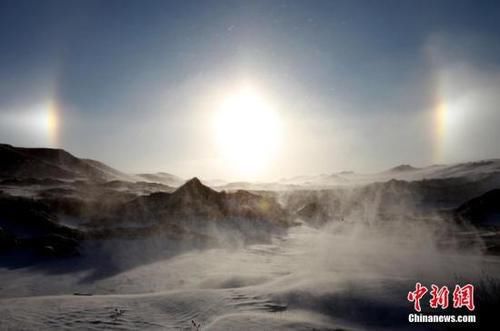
352, 85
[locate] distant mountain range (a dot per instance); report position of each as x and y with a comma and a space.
46, 163
469, 170
52, 204
51, 200
90, 190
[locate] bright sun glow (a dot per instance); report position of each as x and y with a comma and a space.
247, 132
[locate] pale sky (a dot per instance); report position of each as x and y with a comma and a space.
253, 89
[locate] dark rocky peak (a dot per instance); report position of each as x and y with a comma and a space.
195, 188
402, 168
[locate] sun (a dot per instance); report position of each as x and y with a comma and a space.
247, 132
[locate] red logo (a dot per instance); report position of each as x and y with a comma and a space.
463, 296
439, 297
416, 295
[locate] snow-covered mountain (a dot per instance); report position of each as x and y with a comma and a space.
470, 171
43, 163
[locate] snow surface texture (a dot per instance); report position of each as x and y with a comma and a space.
346, 276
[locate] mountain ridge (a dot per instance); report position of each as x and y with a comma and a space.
50, 163
21, 162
